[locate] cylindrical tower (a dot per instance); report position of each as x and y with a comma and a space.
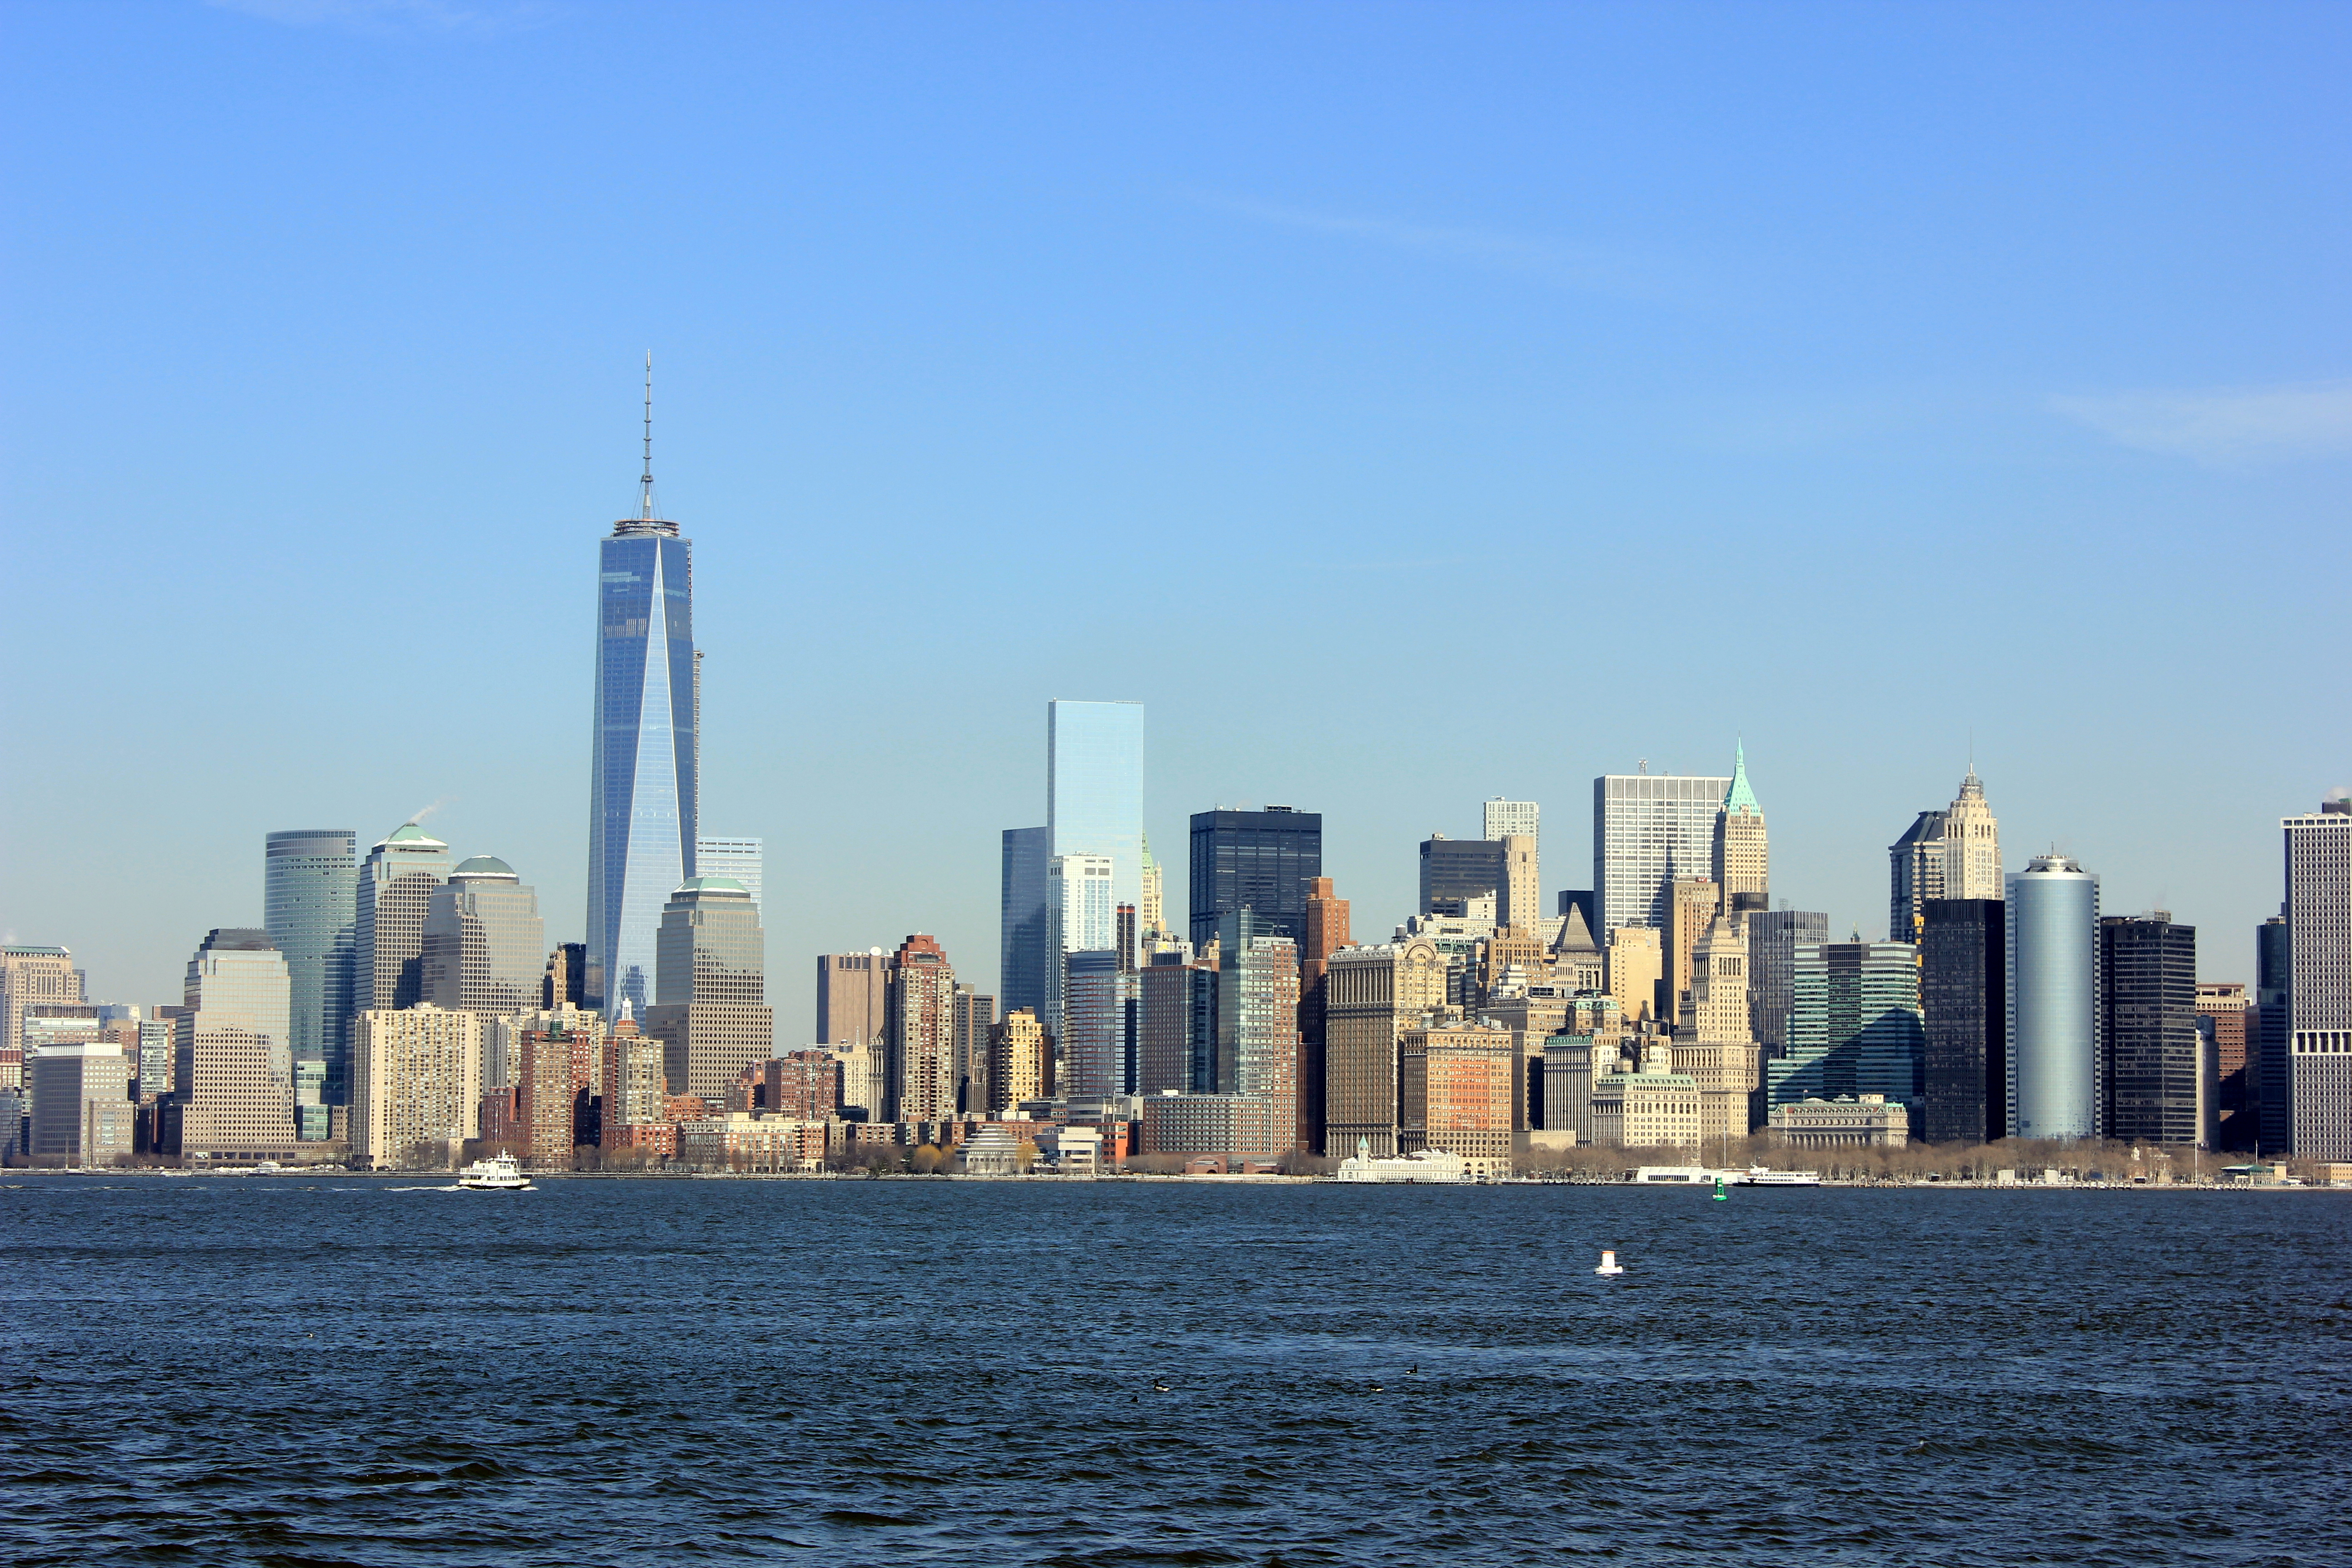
2053, 919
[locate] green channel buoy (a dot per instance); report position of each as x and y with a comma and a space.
1720, 1196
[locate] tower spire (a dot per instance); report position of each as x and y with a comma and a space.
646, 482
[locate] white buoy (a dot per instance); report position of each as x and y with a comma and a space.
1609, 1263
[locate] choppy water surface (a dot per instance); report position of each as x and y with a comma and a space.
285, 1371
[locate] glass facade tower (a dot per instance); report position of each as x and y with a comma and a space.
1647, 830
1264, 861
1094, 788
642, 805
1024, 923
309, 902
2053, 936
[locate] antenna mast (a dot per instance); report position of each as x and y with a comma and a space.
646, 482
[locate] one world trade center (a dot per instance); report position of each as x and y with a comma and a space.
642, 794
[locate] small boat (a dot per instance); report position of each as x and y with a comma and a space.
1758, 1176
497, 1174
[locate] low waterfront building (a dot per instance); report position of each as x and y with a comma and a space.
993, 1149
746, 1140
1247, 1126
1858, 1121
1422, 1165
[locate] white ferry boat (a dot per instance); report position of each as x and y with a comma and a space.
496, 1174
1758, 1176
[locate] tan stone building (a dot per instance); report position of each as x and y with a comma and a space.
29, 976
1455, 1092
1717, 1049
1691, 906
710, 982
1743, 862
1636, 964
233, 1070
1016, 1061
1649, 1106
1519, 900
1373, 994
1864, 1121
632, 1087
416, 1085
918, 1037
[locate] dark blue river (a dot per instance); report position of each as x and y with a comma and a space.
295, 1372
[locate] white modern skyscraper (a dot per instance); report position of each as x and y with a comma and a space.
740, 860
1094, 788
1507, 817
1081, 916
2053, 1000
2319, 980
1648, 829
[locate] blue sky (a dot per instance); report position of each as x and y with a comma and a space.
1410, 403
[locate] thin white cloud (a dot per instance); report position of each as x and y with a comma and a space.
1555, 262
392, 16
2224, 427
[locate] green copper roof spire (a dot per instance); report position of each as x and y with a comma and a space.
1739, 797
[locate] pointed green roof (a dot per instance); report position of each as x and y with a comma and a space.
1739, 797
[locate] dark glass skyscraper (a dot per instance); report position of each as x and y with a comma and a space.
641, 784
1025, 936
1454, 868
2148, 1029
1258, 860
1963, 969
309, 902
2274, 1081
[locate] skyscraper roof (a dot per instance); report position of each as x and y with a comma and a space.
1739, 797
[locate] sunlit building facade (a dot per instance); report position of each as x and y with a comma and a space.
310, 904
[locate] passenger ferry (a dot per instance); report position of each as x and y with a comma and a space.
496, 1174
1758, 1176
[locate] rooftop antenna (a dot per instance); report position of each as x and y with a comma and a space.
646, 482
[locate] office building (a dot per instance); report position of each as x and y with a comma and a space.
1691, 907
310, 904
865, 1079
1373, 994
1024, 923
1648, 829
1507, 818
2319, 980
1153, 909
1325, 933
484, 941
81, 1112
2272, 1071
1964, 1006
2053, 929
1016, 1061
1176, 1029
395, 893
1636, 966
1855, 1027
1773, 938
1080, 917
710, 977
2151, 1083
1092, 1044
743, 861
1950, 853
852, 996
233, 1070
1518, 902
564, 981
1644, 1103
1455, 1093
1742, 865
1577, 962
1233, 1126
975, 1017
1915, 875
1715, 1045
643, 790
2233, 1028
416, 1086
919, 1042
1456, 873
1094, 790
1263, 862
30, 976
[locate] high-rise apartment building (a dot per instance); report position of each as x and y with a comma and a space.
483, 944
1773, 938
918, 1041
563, 982
643, 790
1176, 1033
1263, 862
1963, 995
1024, 923
1080, 917
710, 977
975, 1018
310, 905
233, 1074
2319, 980
1648, 829
1742, 865
1094, 788
635, 1090
1325, 933
416, 1086
553, 1073
2233, 1022
1457, 872
80, 1110
396, 892
29, 976
743, 861
2152, 1090
1373, 993
852, 996
2053, 931
1017, 1062
1855, 1027
1257, 1016
1093, 1039
1455, 1083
